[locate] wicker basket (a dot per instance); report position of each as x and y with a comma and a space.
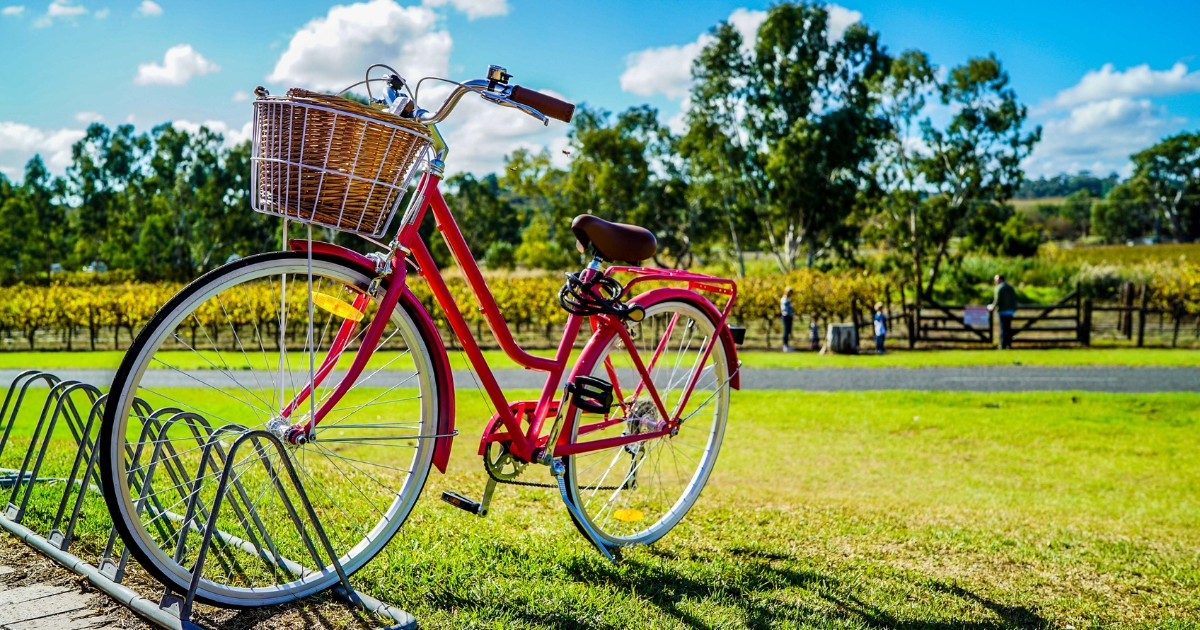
331, 161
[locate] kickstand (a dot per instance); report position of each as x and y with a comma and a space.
558, 468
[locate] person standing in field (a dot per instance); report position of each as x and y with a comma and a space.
880, 327
814, 334
1005, 304
788, 314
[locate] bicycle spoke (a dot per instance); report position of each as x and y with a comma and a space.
636, 492
361, 473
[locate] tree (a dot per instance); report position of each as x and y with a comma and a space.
32, 221
1168, 174
1077, 209
484, 216
625, 171
902, 207
1122, 215
1065, 184
974, 164
805, 108
535, 185
104, 164
721, 168
813, 106
997, 230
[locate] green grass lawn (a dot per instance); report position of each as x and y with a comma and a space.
982, 357
898, 510
109, 359
845, 510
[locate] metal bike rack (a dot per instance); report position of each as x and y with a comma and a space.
80, 406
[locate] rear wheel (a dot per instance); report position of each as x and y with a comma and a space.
227, 355
635, 493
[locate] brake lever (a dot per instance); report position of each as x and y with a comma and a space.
502, 100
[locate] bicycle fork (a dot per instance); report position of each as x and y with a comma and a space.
558, 468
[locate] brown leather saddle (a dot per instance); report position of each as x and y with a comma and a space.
614, 241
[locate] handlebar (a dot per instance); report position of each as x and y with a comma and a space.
534, 103
544, 103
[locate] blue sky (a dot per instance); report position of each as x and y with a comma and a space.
1104, 78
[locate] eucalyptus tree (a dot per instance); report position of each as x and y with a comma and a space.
973, 165
534, 185
901, 210
1124, 214
105, 168
32, 221
1168, 174
722, 169
794, 129
626, 170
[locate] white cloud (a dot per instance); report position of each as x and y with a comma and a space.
747, 22
481, 134
1099, 136
101, 14
1107, 118
474, 8
13, 10
332, 52
240, 96
59, 9
148, 8
1107, 83
840, 18
20, 142
179, 65
668, 70
88, 117
64, 9
233, 135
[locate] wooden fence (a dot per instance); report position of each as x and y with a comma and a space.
1073, 320
1067, 321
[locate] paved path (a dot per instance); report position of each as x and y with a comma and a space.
976, 379
46, 607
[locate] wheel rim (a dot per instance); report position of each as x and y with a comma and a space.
362, 473
635, 494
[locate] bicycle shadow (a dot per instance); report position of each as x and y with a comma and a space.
762, 571
751, 588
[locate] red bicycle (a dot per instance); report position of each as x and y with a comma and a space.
330, 351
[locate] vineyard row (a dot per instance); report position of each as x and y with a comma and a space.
110, 315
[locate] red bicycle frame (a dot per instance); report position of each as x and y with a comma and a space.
523, 442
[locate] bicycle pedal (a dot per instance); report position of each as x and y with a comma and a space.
590, 394
461, 502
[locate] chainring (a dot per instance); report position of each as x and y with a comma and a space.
500, 463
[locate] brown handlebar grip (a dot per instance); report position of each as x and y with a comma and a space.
544, 103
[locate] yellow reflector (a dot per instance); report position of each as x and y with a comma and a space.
337, 307
629, 515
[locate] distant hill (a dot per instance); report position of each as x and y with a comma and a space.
1064, 184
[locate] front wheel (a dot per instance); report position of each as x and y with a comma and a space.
228, 354
635, 493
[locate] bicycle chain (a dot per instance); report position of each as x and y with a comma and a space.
514, 482
533, 484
